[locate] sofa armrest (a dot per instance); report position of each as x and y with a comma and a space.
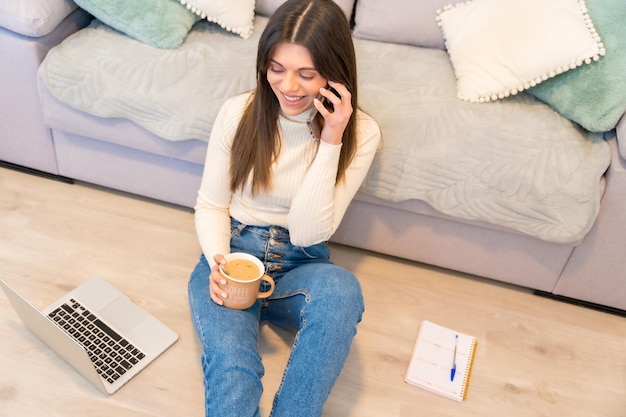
24, 138
595, 271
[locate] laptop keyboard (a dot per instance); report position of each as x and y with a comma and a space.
111, 354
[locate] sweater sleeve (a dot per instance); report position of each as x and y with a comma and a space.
212, 214
320, 204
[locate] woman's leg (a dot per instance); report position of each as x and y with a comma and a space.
325, 303
230, 359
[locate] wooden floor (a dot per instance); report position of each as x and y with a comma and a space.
535, 357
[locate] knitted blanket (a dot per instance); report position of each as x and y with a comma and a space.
514, 163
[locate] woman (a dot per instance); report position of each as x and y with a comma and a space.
280, 171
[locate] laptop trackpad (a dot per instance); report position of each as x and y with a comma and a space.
123, 314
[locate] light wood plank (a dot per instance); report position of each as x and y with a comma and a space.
535, 357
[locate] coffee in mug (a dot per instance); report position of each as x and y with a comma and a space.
244, 273
241, 269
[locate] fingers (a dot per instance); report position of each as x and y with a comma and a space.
219, 259
216, 285
344, 98
342, 103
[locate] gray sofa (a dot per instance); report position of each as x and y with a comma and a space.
131, 116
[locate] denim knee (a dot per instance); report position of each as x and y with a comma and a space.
340, 292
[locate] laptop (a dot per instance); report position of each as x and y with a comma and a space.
99, 331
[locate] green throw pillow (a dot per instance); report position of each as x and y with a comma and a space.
594, 96
160, 23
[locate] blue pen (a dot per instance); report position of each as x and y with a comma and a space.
453, 369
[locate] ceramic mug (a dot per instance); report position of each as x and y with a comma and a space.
243, 274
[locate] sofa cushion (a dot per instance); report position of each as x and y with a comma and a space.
501, 47
408, 22
236, 16
160, 23
268, 7
34, 18
594, 95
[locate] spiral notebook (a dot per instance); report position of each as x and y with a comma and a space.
442, 361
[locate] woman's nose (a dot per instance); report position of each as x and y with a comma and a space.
290, 83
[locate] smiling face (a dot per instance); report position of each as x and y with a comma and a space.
293, 78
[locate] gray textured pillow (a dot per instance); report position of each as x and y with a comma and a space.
400, 21
268, 7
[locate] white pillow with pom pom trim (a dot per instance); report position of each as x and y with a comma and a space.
236, 16
501, 47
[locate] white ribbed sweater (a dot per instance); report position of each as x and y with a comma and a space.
303, 198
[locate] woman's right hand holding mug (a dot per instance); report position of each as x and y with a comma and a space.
217, 281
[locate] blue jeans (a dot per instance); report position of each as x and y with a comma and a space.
321, 301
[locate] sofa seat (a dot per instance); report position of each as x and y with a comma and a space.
413, 230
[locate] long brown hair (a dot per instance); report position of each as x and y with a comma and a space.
322, 28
